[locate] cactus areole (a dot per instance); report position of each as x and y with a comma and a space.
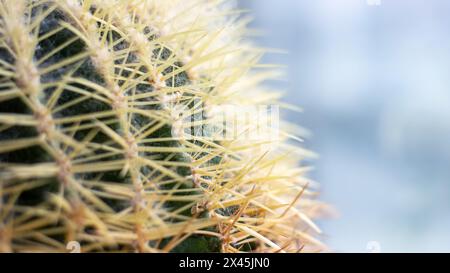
109, 132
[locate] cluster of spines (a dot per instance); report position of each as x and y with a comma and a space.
124, 179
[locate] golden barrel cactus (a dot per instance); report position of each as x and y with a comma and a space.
113, 137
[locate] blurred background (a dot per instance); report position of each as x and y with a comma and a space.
373, 78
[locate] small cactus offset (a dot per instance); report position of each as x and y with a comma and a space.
109, 133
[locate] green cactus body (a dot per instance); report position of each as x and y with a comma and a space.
95, 96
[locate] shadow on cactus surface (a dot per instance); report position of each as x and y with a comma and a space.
90, 149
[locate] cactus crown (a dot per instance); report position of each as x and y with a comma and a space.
94, 150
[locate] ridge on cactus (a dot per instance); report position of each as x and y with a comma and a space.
108, 133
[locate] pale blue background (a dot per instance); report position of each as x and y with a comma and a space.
374, 83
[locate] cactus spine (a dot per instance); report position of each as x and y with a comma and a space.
92, 146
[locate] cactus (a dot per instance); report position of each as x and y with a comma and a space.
95, 99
